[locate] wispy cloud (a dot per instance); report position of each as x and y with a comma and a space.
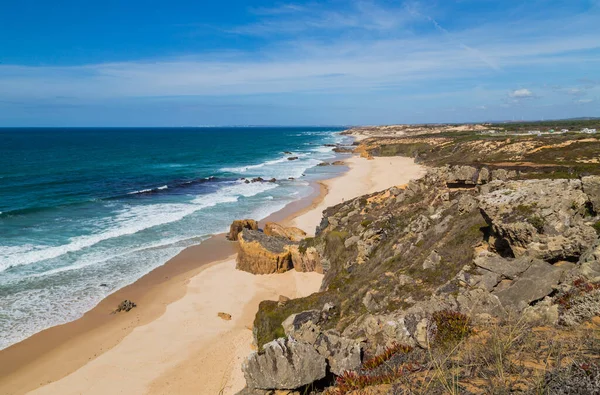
521, 94
354, 48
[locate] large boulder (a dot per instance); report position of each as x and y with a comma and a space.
284, 364
538, 281
263, 254
291, 233
538, 218
238, 225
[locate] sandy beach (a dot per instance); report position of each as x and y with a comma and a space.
174, 342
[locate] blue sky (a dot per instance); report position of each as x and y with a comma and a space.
189, 63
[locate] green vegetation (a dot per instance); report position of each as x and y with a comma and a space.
450, 328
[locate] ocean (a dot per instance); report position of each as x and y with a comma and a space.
86, 211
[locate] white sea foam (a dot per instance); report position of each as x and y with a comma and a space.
130, 220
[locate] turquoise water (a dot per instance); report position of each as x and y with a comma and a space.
84, 212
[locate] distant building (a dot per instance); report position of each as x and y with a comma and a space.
565, 131
588, 131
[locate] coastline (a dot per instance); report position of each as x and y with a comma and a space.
172, 331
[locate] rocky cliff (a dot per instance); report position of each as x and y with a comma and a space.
481, 277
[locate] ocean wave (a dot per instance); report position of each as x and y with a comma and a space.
130, 220
244, 169
146, 191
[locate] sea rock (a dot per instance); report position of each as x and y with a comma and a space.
307, 261
284, 364
538, 218
125, 306
238, 225
339, 163
292, 233
292, 158
263, 254
324, 164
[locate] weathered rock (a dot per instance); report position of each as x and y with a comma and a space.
508, 268
284, 364
291, 233
342, 354
432, 260
539, 218
338, 163
307, 261
282, 301
544, 313
591, 187
263, 254
462, 176
125, 306
590, 262
238, 225
292, 158
224, 316
537, 282
324, 164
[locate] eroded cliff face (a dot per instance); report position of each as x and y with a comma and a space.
464, 244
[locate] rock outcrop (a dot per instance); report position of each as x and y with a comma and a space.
305, 260
263, 254
291, 233
237, 226
284, 364
539, 218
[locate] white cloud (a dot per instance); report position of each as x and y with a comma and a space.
585, 101
521, 94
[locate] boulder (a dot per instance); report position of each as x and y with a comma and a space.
284, 364
238, 225
263, 254
307, 260
537, 282
338, 163
292, 233
292, 158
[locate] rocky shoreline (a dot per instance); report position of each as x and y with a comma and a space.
419, 276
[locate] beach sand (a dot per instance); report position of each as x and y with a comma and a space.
174, 342
364, 176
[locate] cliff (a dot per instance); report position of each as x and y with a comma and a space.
481, 277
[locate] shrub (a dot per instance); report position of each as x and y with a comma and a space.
450, 328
